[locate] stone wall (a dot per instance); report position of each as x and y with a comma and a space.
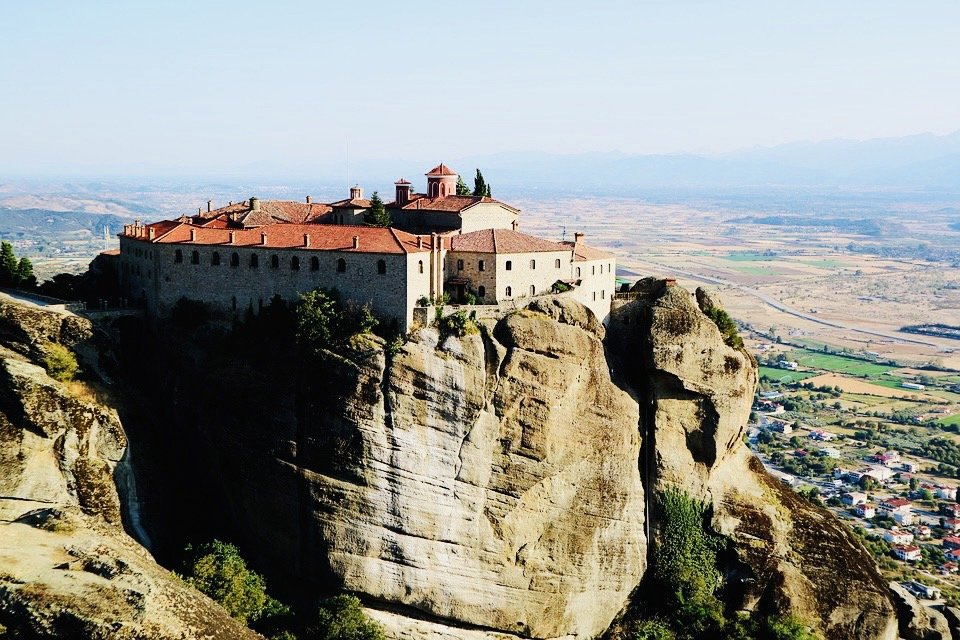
151, 271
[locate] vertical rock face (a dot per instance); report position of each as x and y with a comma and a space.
698, 392
67, 569
495, 483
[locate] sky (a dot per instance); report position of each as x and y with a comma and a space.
196, 86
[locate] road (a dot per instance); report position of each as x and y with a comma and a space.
779, 306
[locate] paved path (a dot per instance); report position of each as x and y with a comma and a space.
22, 298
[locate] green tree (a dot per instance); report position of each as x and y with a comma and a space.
654, 629
462, 188
8, 265
377, 214
789, 628
25, 277
323, 322
342, 618
60, 362
217, 570
728, 328
480, 185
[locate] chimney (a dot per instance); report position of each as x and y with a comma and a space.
199, 211
356, 193
209, 206
193, 235
263, 238
309, 199
233, 237
254, 203
356, 242
577, 238
419, 242
153, 233
306, 239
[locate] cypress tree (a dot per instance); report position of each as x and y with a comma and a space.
488, 192
377, 215
479, 185
8, 265
25, 277
462, 188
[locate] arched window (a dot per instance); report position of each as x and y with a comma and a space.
421, 266
178, 256
509, 292
459, 265
556, 263
275, 261
593, 270
603, 294
314, 263
509, 266
341, 266
578, 272
215, 258
254, 261
481, 265
381, 266
294, 263
481, 292
195, 257
533, 290
601, 269
234, 259
533, 264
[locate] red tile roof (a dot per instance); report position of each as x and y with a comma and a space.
453, 204
351, 203
287, 235
441, 170
895, 503
502, 241
585, 252
402, 181
270, 211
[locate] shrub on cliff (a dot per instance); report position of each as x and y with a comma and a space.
60, 362
324, 322
217, 570
342, 618
728, 328
457, 324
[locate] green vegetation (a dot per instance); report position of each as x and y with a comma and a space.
457, 324
480, 186
217, 570
462, 188
683, 601
342, 618
728, 328
323, 322
746, 256
377, 214
839, 364
775, 374
15, 272
60, 362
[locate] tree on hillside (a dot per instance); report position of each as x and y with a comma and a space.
462, 188
342, 618
8, 265
377, 215
25, 277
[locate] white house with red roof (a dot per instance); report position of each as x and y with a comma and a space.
907, 552
239, 257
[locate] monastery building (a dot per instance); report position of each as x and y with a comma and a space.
240, 256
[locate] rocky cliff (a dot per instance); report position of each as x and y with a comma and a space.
67, 569
494, 485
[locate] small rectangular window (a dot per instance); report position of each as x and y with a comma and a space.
533, 264
509, 266
480, 265
459, 265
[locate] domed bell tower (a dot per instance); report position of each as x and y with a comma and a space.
441, 181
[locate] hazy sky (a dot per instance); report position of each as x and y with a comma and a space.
120, 86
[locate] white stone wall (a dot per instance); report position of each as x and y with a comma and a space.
234, 289
598, 283
486, 215
521, 275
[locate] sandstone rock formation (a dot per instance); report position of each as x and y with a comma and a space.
496, 485
67, 569
918, 622
794, 556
